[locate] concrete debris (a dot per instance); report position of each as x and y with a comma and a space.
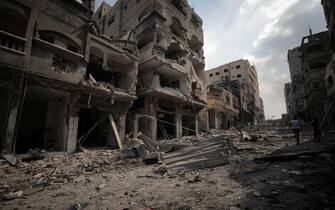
137, 207
195, 175
12, 195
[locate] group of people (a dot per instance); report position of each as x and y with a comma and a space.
296, 127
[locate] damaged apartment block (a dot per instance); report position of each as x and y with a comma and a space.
223, 107
171, 79
63, 84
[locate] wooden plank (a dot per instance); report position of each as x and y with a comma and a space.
116, 132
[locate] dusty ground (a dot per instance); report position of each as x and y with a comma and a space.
99, 180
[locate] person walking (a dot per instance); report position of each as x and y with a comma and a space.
296, 128
316, 129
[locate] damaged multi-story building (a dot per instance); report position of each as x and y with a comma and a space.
171, 79
329, 10
63, 85
315, 56
297, 103
308, 64
240, 78
223, 107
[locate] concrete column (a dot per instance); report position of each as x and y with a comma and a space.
136, 117
71, 129
216, 120
72, 134
197, 125
122, 127
179, 122
9, 146
152, 104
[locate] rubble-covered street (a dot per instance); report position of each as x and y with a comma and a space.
266, 170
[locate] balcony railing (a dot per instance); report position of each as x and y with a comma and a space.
126, 45
12, 42
158, 50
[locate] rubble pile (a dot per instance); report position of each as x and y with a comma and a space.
54, 171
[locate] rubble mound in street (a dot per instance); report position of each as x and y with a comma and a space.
54, 171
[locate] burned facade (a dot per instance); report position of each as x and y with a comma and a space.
241, 79
62, 84
171, 79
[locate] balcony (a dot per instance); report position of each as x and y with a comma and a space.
126, 45
12, 49
153, 57
215, 102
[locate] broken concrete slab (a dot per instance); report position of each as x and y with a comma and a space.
10, 158
204, 154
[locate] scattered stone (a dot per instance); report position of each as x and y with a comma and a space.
195, 179
101, 186
161, 170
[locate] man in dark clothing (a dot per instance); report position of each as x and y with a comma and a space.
316, 128
296, 128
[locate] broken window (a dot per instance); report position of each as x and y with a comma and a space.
176, 52
238, 67
226, 70
180, 5
316, 85
14, 18
177, 29
317, 66
166, 105
145, 38
227, 99
330, 81
195, 45
196, 22
315, 48
60, 40
72, 48
239, 76
47, 38
166, 82
111, 20
210, 75
217, 73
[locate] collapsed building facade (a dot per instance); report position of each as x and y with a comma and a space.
171, 79
62, 84
240, 78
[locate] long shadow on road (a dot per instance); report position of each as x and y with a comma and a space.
303, 182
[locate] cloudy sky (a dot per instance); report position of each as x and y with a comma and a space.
261, 31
